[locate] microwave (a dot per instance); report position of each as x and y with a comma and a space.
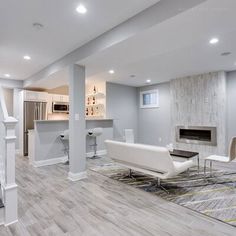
60, 107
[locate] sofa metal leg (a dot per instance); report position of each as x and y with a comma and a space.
211, 167
188, 172
160, 186
198, 163
205, 161
129, 175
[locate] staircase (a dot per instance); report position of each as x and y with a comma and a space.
1, 210
8, 187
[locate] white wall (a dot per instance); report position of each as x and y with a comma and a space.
11, 86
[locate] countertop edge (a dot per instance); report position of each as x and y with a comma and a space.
48, 121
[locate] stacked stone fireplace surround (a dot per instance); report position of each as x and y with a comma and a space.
200, 100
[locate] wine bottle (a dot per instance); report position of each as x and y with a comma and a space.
94, 100
92, 112
94, 90
97, 110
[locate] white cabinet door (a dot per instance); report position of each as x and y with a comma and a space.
30, 96
42, 96
65, 98
56, 98
35, 96
49, 103
60, 98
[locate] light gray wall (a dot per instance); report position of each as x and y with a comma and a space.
77, 144
154, 123
231, 104
8, 95
122, 107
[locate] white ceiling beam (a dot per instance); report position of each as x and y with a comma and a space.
11, 83
153, 15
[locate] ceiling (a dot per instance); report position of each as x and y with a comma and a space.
64, 29
177, 47
174, 48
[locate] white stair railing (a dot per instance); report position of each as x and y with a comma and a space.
7, 163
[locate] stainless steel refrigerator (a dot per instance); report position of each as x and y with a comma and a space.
32, 111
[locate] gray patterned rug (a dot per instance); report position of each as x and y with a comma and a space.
214, 197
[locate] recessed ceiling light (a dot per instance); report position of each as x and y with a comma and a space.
111, 71
26, 57
81, 9
148, 81
132, 76
37, 26
214, 41
225, 53
7, 75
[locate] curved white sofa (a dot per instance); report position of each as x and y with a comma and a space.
148, 159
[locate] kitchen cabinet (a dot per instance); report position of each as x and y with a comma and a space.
55, 98
49, 104
35, 96
59, 98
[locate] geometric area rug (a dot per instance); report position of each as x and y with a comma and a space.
214, 197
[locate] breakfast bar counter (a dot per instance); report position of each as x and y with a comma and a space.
46, 147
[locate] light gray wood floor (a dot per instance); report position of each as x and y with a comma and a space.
49, 204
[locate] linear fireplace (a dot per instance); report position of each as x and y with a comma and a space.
201, 135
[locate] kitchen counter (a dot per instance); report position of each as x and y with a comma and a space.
47, 147
88, 119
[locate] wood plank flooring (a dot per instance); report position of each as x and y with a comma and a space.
49, 204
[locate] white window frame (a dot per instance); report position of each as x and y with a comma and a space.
153, 105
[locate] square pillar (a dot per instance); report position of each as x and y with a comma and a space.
77, 134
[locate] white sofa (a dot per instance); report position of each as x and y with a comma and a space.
152, 160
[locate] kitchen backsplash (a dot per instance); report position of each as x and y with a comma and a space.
58, 116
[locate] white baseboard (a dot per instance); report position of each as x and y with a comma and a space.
99, 153
63, 159
2, 216
11, 223
49, 162
17, 151
75, 177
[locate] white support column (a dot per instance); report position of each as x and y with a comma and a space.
77, 138
9, 186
